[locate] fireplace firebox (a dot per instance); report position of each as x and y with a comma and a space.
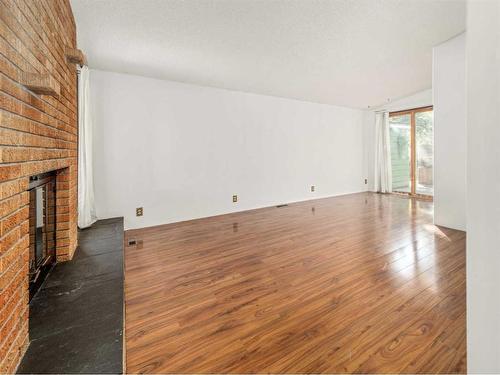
42, 225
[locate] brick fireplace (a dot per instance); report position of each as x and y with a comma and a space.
38, 134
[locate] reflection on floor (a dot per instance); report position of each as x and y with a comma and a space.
358, 283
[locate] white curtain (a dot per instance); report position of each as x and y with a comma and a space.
86, 204
383, 170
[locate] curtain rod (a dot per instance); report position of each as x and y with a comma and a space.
79, 68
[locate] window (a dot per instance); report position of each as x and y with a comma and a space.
412, 151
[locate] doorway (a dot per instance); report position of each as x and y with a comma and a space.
412, 151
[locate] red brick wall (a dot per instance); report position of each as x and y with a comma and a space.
38, 133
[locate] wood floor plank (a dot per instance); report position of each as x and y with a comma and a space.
358, 283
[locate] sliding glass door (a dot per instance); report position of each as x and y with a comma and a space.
412, 151
400, 134
424, 152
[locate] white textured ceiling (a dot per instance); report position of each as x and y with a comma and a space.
354, 53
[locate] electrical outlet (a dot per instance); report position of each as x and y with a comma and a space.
139, 211
136, 243
366, 181
313, 188
235, 198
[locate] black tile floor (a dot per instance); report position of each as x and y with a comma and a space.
76, 318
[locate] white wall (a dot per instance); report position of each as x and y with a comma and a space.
417, 100
181, 151
450, 141
369, 148
483, 186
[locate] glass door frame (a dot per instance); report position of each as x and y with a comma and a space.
413, 149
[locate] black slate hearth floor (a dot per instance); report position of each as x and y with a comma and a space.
76, 318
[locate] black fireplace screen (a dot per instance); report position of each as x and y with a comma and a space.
42, 222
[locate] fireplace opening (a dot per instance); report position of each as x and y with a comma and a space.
42, 225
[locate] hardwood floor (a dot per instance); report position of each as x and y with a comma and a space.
359, 283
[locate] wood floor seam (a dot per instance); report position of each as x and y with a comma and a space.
359, 283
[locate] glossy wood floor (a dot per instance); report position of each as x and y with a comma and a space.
359, 283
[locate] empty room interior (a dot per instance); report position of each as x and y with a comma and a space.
249, 186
